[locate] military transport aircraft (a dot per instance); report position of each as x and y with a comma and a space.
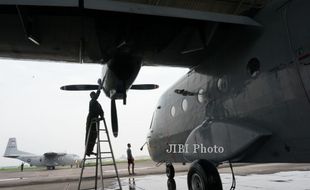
49, 159
246, 97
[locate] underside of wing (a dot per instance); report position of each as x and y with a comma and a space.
94, 31
175, 10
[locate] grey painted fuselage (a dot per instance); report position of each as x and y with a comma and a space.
263, 117
61, 160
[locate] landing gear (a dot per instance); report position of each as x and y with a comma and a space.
171, 184
170, 171
203, 175
50, 167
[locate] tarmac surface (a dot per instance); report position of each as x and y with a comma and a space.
151, 177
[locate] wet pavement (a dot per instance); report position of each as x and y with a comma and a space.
297, 180
150, 177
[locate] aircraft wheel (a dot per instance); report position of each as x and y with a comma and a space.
170, 171
53, 167
203, 175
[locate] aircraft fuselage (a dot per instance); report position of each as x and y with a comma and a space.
66, 159
250, 96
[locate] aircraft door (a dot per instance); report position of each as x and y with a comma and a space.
297, 16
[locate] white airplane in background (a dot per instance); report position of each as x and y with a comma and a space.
49, 159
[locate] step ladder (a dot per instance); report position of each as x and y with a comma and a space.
99, 157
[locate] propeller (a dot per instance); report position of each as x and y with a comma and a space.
144, 86
80, 87
114, 118
114, 121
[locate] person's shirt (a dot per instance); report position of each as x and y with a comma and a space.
129, 155
95, 109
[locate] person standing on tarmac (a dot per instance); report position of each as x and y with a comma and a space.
130, 160
22, 167
95, 111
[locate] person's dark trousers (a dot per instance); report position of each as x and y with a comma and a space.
92, 137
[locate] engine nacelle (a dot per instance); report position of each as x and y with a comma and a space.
119, 74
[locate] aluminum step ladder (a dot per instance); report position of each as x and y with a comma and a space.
99, 157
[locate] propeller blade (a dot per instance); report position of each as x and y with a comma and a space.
80, 87
144, 86
114, 118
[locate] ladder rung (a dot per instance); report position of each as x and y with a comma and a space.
105, 152
88, 188
104, 141
93, 158
102, 130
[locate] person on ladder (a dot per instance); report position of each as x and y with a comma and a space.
95, 111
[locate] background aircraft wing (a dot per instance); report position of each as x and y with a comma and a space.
51, 155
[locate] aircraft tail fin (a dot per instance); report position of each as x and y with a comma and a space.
11, 150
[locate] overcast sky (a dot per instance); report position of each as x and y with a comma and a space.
44, 118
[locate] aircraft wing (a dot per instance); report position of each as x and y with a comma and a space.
51, 155
168, 12
92, 31
62, 3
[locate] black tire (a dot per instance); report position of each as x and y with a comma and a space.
203, 175
170, 171
171, 184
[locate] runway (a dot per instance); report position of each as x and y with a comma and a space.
297, 180
150, 177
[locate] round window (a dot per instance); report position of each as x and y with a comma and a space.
201, 95
172, 111
184, 105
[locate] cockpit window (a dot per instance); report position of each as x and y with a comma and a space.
184, 105
172, 111
200, 95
